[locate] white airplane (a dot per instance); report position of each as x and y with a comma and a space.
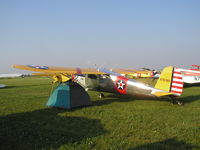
190, 76
11, 75
2, 86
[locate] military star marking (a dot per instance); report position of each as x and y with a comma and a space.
120, 84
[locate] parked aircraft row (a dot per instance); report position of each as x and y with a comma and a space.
170, 82
189, 76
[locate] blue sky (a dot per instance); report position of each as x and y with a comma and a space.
112, 33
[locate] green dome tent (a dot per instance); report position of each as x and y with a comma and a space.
69, 95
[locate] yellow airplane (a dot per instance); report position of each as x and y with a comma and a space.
131, 73
169, 84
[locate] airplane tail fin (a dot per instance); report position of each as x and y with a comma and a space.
171, 81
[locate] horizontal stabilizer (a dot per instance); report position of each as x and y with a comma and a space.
159, 94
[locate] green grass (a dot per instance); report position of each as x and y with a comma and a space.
112, 123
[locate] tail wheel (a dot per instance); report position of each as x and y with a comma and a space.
175, 101
101, 95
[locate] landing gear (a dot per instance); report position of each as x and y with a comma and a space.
101, 95
174, 101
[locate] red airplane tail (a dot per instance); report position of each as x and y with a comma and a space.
177, 82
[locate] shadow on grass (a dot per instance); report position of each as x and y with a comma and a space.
45, 129
186, 85
189, 99
168, 144
123, 98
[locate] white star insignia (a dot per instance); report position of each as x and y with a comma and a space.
120, 84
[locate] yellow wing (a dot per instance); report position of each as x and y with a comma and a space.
160, 94
124, 71
132, 73
55, 70
58, 74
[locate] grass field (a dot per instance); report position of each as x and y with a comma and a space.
112, 123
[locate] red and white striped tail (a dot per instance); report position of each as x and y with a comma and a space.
177, 82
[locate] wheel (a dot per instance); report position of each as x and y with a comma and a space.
176, 102
101, 95
179, 103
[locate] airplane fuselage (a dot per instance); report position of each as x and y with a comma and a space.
114, 84
191, 79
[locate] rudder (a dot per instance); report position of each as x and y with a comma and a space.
177, 82
170, 81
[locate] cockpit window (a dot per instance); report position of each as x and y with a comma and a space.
103, 76
92, 76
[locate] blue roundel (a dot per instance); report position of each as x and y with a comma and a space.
38, 67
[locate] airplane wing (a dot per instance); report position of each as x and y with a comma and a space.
58, 74
57, 70
65, 73
187, 72
130, 71
70, 70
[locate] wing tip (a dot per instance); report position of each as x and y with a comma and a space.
14, 66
